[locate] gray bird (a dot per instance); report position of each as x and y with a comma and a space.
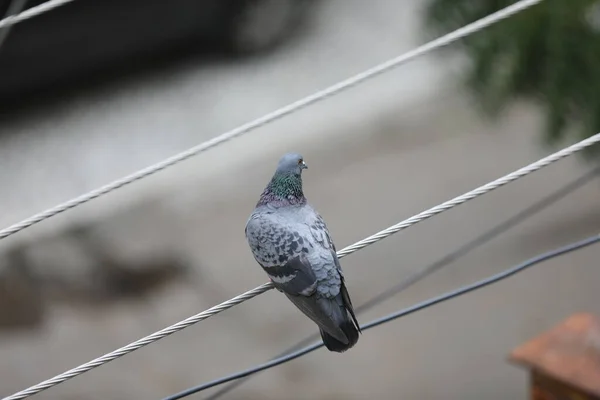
290, 241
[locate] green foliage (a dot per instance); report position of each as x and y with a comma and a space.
549, 52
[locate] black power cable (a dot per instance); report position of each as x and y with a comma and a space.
402, 313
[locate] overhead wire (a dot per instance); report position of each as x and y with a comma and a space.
574, 148
447, 259
266, 119
402, 313
513, 176
32, 12
14, 8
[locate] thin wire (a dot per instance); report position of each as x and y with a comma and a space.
473, 194
273, 116
463, 250
402, 313
342, 253
32, 12
15, 7
137, 344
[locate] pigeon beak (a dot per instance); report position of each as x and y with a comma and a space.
303, 165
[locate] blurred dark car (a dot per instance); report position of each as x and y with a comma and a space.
87, 36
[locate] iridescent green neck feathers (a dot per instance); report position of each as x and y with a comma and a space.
285, 188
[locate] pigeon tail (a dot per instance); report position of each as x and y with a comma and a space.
346, 323
334, 316
333, 344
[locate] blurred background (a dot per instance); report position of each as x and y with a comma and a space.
97, 89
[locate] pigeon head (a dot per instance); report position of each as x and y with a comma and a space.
285, 188
291, 163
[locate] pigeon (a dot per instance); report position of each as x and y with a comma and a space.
292, 244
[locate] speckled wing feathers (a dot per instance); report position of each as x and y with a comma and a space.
295, 250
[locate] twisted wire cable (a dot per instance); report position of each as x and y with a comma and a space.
14, 8
32, 12
138, 344
473, 194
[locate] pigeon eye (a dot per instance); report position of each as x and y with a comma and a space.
300, 161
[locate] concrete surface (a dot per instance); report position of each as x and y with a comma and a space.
373, 162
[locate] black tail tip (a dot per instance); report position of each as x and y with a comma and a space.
332, 344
